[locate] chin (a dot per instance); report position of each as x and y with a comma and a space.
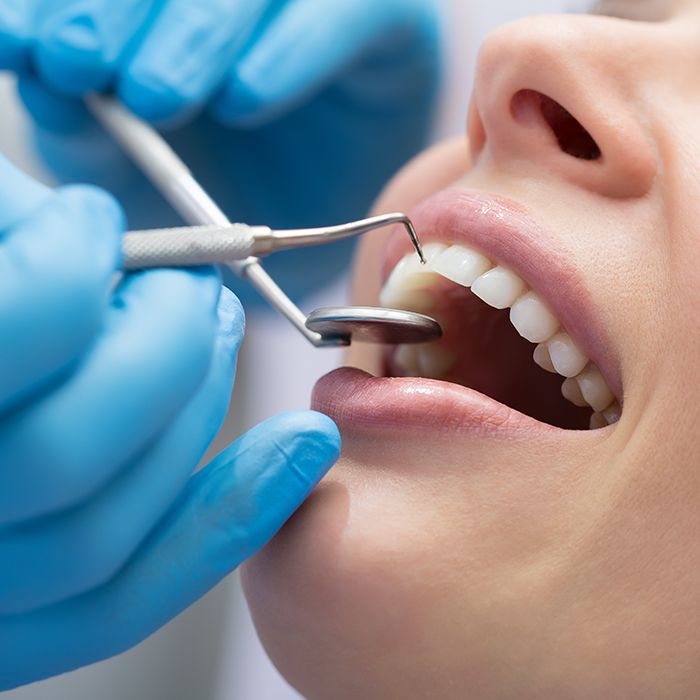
344, 596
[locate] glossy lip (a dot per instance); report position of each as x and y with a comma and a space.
505, 233
357, 401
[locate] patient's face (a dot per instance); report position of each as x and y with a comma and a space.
477, 539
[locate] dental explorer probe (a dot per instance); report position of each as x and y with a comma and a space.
159, 162
212, 245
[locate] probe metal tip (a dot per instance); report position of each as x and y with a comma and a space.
415, 240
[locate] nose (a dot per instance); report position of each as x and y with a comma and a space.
558, 95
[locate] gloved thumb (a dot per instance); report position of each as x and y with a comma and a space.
266, 475
228, 511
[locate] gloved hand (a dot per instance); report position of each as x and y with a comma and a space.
108, 399
298, 110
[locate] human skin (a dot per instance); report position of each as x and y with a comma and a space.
530, 563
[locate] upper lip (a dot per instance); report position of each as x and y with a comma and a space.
508, 235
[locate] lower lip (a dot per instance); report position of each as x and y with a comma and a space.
358, 401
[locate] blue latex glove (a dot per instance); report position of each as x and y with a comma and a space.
297, 111
108, 400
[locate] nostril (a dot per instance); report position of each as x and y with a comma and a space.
571, 135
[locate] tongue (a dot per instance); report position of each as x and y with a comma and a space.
494, 360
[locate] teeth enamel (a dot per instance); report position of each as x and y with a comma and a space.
461, 265
409, 300
431, 251
598, 421
406, 358
613, 414
410, 274
435, 362
499, 287
542, 358
408, 282
609, 416
571, 391
404, 273
532, 319
408, 288
567, 359
595, 390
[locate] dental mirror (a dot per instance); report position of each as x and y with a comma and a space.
366, 324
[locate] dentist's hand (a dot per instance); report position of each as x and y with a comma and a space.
108, 400
298, 110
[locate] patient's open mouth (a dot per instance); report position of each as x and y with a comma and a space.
501, 338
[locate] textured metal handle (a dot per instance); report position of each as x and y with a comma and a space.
189, 247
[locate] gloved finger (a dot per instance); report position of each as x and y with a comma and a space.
226, 513
186, 54
151, 358
51, 110
63, 556
303, 49
20, 195
79, 43
77, 148
16, 19
55, 274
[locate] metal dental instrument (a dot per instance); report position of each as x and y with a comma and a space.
159, 162
211, 245
370, 325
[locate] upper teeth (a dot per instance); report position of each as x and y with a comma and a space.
499, 288
461, 265
566, 358
408, 288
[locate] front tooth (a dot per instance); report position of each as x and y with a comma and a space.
532, 319
461, 265
435, 362
595, 390
567, 359
416, 300
406, 359
405, 288
542, 358
430, 252
411, 274
407, 266
499, 287
613, 413
598, 421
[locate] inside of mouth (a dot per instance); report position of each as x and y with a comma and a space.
571, 135
492, 358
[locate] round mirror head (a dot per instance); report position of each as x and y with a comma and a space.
366, 324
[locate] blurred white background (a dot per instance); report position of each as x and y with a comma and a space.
211, 652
